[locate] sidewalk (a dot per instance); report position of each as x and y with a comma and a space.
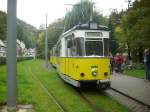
134, 87
20, 108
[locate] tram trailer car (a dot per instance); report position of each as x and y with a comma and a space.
53, 57
81, 56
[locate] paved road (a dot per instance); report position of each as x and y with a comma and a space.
20, 108
131, 104
134, 87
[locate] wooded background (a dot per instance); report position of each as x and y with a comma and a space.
130, 29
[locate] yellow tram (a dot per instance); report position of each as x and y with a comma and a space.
53, 56
81, 55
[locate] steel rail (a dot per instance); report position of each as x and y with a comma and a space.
90, 103
48, 92
130, 97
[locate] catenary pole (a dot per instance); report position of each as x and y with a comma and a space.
11, 54
46, 45
129, 3
129, 51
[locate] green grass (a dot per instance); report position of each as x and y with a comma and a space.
108, 104
2, 84
139, 73
30, 91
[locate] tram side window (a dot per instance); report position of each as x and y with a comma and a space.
106, 46
58, 50
94, 48
79, 46
54, 51
69, 46
73, 48
69, 43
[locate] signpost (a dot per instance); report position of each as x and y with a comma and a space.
11, 54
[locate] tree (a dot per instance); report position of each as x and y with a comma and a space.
40, 42
54, 31
135, 28
114, 20
2, 25
83, 12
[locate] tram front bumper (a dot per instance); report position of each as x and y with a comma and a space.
104, 84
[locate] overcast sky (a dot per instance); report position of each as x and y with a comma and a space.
34, 11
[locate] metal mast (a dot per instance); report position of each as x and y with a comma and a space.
46, 45
11, 54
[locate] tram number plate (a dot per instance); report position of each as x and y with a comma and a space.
94, 66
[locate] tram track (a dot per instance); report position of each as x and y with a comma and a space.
49, 93
132, 103
62, 108
84, 98
89, 102
130, 97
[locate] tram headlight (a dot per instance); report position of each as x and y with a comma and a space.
94, 72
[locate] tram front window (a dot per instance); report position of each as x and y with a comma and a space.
94, 48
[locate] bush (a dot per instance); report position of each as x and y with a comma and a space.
3, 59
139, 66
23, 58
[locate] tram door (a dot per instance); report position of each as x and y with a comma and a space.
68, 55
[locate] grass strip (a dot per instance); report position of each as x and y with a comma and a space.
139, 73
30, 92
106, 102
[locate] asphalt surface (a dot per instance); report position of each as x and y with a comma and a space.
131, 104
134, 87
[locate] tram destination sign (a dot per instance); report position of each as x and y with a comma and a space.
94, 34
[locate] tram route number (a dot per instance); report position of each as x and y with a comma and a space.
95, 66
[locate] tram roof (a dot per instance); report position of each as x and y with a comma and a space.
87, 27
84, 27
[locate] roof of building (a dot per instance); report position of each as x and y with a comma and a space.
2, 43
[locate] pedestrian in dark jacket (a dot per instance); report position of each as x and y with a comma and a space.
147, 63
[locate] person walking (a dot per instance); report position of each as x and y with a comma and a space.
119, 61
147, 63
111, 63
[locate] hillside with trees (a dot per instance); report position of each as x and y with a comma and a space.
25, 32
3, 25
129, 29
